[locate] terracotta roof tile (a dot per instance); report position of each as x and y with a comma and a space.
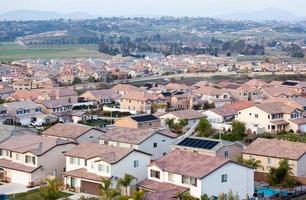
68, 130
84, 174
4, 163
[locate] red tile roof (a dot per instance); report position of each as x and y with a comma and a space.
84, 174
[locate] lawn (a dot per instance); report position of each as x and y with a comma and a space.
34, 195
12, 51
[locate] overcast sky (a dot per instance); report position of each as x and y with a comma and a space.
154, 7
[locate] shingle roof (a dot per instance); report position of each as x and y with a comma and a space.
141, 96
187, 114
276, 148
68, 130
276, 107
190, 163
35, 144
233, 108
4, 163
84, 174
109, 154
281, 90
132, 136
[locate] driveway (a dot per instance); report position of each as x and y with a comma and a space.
13, 188
77, 196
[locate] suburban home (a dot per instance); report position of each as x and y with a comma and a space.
180, 100
273, 117
100, 96
138, 121
256, 83
28, 113
124, 89
152, 141
74, 116
214, 95
5, 91
227, 112
29, 159
56, 106
74, 132
143, 102
211, 147
190, 115
87, 164
281, 91
22, 84
185, 171
271, 151
246, 93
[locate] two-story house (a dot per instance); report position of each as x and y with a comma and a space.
88, 163
152, 141
271, 151
74, 132
214, 95
29, 159
185, 171
273, 117
100, 96
138, 121
28, 113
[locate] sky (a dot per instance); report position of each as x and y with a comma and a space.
154, 7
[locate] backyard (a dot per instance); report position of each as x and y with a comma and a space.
34, 195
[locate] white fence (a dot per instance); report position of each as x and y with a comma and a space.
105, 108
221, 127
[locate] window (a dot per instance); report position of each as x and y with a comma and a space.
136, 163
189, 180
269, 161
17, 156
268, 126
250, 114
170, 177
71, 160
226, 154
79, 161
107, 169
163, 140
155, 145
155, 174
256, 115
30, 159
101, 168
224, 178
268, 116
106, 142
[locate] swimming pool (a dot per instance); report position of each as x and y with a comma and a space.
269, 191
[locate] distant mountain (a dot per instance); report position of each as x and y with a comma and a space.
23, 15
271, 13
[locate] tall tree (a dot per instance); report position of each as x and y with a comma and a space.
51, 190
126, 182
282, 175
204, 128
106, 190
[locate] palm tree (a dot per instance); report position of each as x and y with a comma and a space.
126, 181
282, 176
51, 190
250, 162
170, 123
106, 190
138, 195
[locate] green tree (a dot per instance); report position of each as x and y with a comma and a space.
250, 162
76, 80
238, 128
282, 176
106, 190
91, 79
204, 197
138, 195
187, 196
204, 128
51, 190
126, 181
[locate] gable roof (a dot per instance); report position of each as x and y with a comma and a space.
281, 90
68, 130
125, 88
276, 148
276, 107
144, 118
186, 114
109, 154
189, 163
133, 136
35, 144
140, 95
233, 108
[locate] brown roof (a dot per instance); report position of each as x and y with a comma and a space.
276, 107
164, 190
37, 145
8, 164
141, 96
281, 90
187, 114
109, 154
298, 121
279, 122
68, 130
233, 108
125, 88
176, 86
210, 91
132, 136
256, 83
190, 163
276, 148
100, 94
84, 174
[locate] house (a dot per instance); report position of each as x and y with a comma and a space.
74, 116
74, 132
180, 100
273, 117
138, 121
227, 112
85, 167
246, 93
214, 95
280, 91
124, 89
56, 106
101, 96
152, 141
22, 85
5, 91
271, 151
143, 102
257, 83
29, 159
28, 113
211, 147
199, 174
190, 115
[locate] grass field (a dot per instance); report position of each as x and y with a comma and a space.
34, 195
12, 51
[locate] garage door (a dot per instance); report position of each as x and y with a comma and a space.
19, 177
303, 128
90, 188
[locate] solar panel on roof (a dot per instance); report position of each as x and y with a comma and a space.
144, 118
198, 143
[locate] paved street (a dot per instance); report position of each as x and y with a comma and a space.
13, 188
